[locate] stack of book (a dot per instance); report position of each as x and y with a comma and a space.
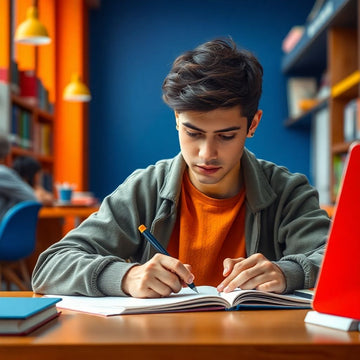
21, 315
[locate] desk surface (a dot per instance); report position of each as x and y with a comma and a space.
262, 334
64, 211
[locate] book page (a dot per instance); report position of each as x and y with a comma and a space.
186, 299
256, 297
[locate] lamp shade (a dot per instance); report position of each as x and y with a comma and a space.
32, 31
76, 90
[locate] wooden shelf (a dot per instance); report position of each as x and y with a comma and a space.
304, 120
19, 151
31, 105
309, 56
348, 87
330, 44
341, 148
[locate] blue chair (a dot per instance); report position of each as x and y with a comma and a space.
17, 242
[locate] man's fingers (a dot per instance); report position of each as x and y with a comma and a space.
177, 267
247, 280
255, 272
228, 265
158, 277
234, 267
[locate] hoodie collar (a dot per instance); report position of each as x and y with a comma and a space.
259, 193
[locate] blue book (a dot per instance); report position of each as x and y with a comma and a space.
21, 315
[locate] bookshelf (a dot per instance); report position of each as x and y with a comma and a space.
32, 114
58, 132
31, 130
330, 44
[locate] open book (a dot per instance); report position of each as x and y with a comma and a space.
186, 300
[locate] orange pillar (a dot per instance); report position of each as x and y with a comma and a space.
71, 125
5, 37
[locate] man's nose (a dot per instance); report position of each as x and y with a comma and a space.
208, 150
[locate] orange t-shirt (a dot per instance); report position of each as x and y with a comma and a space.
207, 231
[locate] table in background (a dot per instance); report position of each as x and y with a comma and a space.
54, 222
78, 212
257, 334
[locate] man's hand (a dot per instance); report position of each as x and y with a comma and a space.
254, 272
158, 277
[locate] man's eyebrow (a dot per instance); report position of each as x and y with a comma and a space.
231, 128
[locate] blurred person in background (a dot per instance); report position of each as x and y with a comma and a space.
12, 188
30, 171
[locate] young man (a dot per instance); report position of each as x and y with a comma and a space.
12, 189
226, 218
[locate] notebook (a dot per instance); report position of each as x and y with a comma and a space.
207, 299
338, 286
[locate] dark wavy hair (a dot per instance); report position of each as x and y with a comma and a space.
214, 75
27, 167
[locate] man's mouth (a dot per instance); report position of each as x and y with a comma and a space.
207, 170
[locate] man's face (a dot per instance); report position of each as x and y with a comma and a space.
212, 144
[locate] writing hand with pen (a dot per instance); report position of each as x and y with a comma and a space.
158, 277
162, 274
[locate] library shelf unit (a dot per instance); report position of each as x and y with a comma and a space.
37, 139
330, 44
59, 133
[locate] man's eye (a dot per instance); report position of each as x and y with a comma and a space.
192, 134
227, 137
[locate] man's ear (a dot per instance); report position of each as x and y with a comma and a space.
177, 119
254, 123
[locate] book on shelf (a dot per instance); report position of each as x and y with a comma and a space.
15, 77
351, 121
332, 321
21, 315
299, 89
339, 162
4, 74
43, 138
31, 89
318, 4
320, 148
324, 87
21, 127
292, 38
207, 299
43, 97
28, 85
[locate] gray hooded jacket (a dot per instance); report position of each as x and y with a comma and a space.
283, 222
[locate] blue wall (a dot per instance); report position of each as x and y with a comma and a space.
132, 46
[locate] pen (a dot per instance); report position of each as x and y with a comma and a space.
152, 240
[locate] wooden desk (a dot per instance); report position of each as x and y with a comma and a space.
66, 211
277, 334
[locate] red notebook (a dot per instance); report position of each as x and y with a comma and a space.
338, 285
